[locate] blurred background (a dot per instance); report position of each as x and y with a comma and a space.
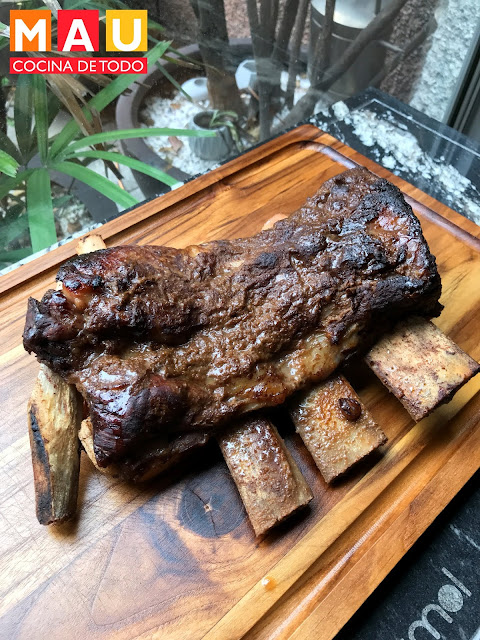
224, 75
425, 53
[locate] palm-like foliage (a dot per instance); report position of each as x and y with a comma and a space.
26, 163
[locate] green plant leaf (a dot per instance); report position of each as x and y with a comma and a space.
97, 182
10, 257
41, 221
4, 39
76, 4
23, 113
61, 201
7, 145
8, 165
137, 165
220, 118
124, 134
90, 4
53, 5
40, 104
53, 107
182, 60
103, 98
13, 229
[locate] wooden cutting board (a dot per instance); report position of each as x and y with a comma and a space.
178, 559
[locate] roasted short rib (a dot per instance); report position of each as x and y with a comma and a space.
162, 342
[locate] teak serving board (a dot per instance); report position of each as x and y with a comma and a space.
178, 559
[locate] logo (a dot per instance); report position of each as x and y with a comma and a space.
450, 597
78, 32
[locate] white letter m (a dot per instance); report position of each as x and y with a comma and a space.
21, 31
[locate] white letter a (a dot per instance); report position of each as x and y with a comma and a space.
83, 39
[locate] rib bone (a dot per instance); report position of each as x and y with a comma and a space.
268, 479
53, 417
335, 426
54, 420
416, 362
420, 365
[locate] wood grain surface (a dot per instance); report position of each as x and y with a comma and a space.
177, 559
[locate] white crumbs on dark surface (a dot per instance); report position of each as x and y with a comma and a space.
457, 21
393, 146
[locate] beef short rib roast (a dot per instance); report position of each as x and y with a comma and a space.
169, 345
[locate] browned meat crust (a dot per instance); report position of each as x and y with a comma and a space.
166, 341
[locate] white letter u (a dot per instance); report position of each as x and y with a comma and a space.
137, 35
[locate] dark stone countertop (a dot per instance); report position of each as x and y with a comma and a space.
434, 592
421, 589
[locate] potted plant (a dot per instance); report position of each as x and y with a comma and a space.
32, 159
167, 73
227, 138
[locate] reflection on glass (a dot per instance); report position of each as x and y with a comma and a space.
236, 73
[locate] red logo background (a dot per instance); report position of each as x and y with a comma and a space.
90, 19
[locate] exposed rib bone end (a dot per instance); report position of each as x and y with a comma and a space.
92, 242
268, 479
335, 426
420, 365
53, 420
